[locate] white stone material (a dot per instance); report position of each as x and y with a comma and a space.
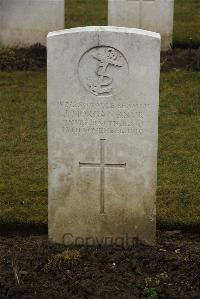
153, 15
103, 96
27, 22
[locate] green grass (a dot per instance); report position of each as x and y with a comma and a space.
85, 13
23, 135
187, 23
179, 148
23, 148
94, 12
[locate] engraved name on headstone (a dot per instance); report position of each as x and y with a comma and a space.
103, 94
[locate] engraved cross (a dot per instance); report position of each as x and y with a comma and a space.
102, 165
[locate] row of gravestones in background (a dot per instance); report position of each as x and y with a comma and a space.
24, 23
103, 98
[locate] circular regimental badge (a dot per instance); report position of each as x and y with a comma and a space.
103, 71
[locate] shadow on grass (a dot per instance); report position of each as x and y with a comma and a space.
25, 229
35, 59
186, 227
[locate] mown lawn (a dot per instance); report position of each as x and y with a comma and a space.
94, 12
23, 134
178, 198
23, 148
187, 23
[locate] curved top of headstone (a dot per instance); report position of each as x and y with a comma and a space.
105, 29
103, 98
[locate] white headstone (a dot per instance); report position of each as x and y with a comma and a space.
27, 22
103, 95
153, 15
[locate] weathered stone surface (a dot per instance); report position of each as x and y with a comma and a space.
27, 22
153, 15
103, 94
